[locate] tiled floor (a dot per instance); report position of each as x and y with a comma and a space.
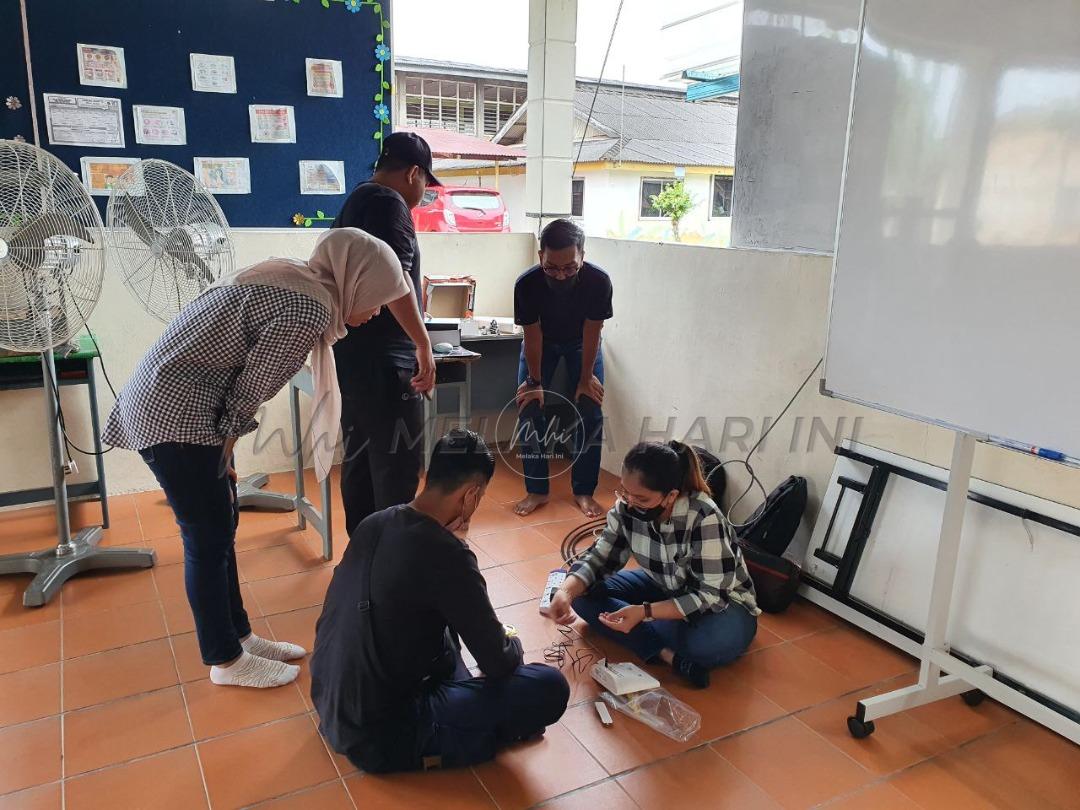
104, 702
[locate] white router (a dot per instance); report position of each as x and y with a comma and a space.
623, 678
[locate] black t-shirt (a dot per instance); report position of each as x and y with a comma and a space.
561, 315
380, 342
424, 581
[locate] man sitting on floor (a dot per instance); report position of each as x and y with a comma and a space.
387, 677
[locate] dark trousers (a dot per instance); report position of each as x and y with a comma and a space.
382, 423
203, 499
536, 443
469, 719
708, 639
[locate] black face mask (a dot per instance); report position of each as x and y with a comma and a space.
648, 515
562, 286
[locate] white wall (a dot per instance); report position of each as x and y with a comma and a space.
697, 332
125, 332
730, 334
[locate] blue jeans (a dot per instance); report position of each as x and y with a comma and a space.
536, 445
203, 499
708, 639
472, 718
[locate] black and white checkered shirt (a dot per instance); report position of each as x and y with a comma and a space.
692, 555
224, 355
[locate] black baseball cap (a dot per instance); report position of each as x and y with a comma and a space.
408, 147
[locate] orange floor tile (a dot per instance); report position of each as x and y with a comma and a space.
105, 702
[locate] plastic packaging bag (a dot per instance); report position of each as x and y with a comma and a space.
658, 709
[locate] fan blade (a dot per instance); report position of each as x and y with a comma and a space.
27, 245
180, 246
134, 220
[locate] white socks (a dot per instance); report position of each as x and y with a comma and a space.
272, 650
251, 670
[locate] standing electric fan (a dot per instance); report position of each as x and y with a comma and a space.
171, 241
52, 259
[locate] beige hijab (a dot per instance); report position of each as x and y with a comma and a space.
349, 271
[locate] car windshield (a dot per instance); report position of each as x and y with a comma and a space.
429, 197
481, 202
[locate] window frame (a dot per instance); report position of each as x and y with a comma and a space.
499, 104
581, 213
665, 182
458, 104
712, 195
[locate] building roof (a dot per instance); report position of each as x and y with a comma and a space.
661, 130
446, 143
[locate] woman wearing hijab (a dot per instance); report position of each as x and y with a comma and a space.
197, 391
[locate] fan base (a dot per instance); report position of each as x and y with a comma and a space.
250, 495
55, 566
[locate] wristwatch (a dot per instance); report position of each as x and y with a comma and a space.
531, 381
648, 612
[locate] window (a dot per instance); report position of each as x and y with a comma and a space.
476, 200
721, 195
500, 102
577, 197
428, 198
651, 186
440, 104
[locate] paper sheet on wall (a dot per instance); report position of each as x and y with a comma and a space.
324, 78
272, 123
211, 73
322, 177
84, 120
101, 65
99, 174
160, 126
225, 175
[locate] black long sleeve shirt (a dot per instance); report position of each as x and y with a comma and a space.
424, 581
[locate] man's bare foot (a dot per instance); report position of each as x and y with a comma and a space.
588, 505
529, 504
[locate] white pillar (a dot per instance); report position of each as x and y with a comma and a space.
549, 139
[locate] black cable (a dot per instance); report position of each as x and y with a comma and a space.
586, 531
596, 92
746, 461
54, 389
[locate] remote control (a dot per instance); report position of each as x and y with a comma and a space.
554, 581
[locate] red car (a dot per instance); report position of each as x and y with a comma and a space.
461, 209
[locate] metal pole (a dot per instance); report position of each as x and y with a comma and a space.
63, 520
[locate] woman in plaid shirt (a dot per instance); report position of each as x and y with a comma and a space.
691, 603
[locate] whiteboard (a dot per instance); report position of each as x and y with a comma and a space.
956, 282
1015, 583
798, 58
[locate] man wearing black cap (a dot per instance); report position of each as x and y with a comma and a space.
382, 373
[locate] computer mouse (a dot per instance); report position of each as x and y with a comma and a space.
443, 348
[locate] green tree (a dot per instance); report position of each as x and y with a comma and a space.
674, 202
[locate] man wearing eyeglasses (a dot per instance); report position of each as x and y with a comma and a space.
562, 304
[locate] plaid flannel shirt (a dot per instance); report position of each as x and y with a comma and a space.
692, 555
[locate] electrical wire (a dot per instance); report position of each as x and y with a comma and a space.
754, 480
596, 92
559, 653
587, 531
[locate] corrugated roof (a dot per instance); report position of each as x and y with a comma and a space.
661, 130
446, 143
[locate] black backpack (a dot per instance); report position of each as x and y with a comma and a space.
715, 476
764, 539
774, 524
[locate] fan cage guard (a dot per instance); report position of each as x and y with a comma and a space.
52, 250
169, 237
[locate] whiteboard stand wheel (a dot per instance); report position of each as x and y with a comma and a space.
974, 697
860, 729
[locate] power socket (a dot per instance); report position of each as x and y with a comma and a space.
71, 468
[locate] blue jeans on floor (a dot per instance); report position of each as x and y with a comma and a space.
535, 446
708, 639
470, 719
203, 499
